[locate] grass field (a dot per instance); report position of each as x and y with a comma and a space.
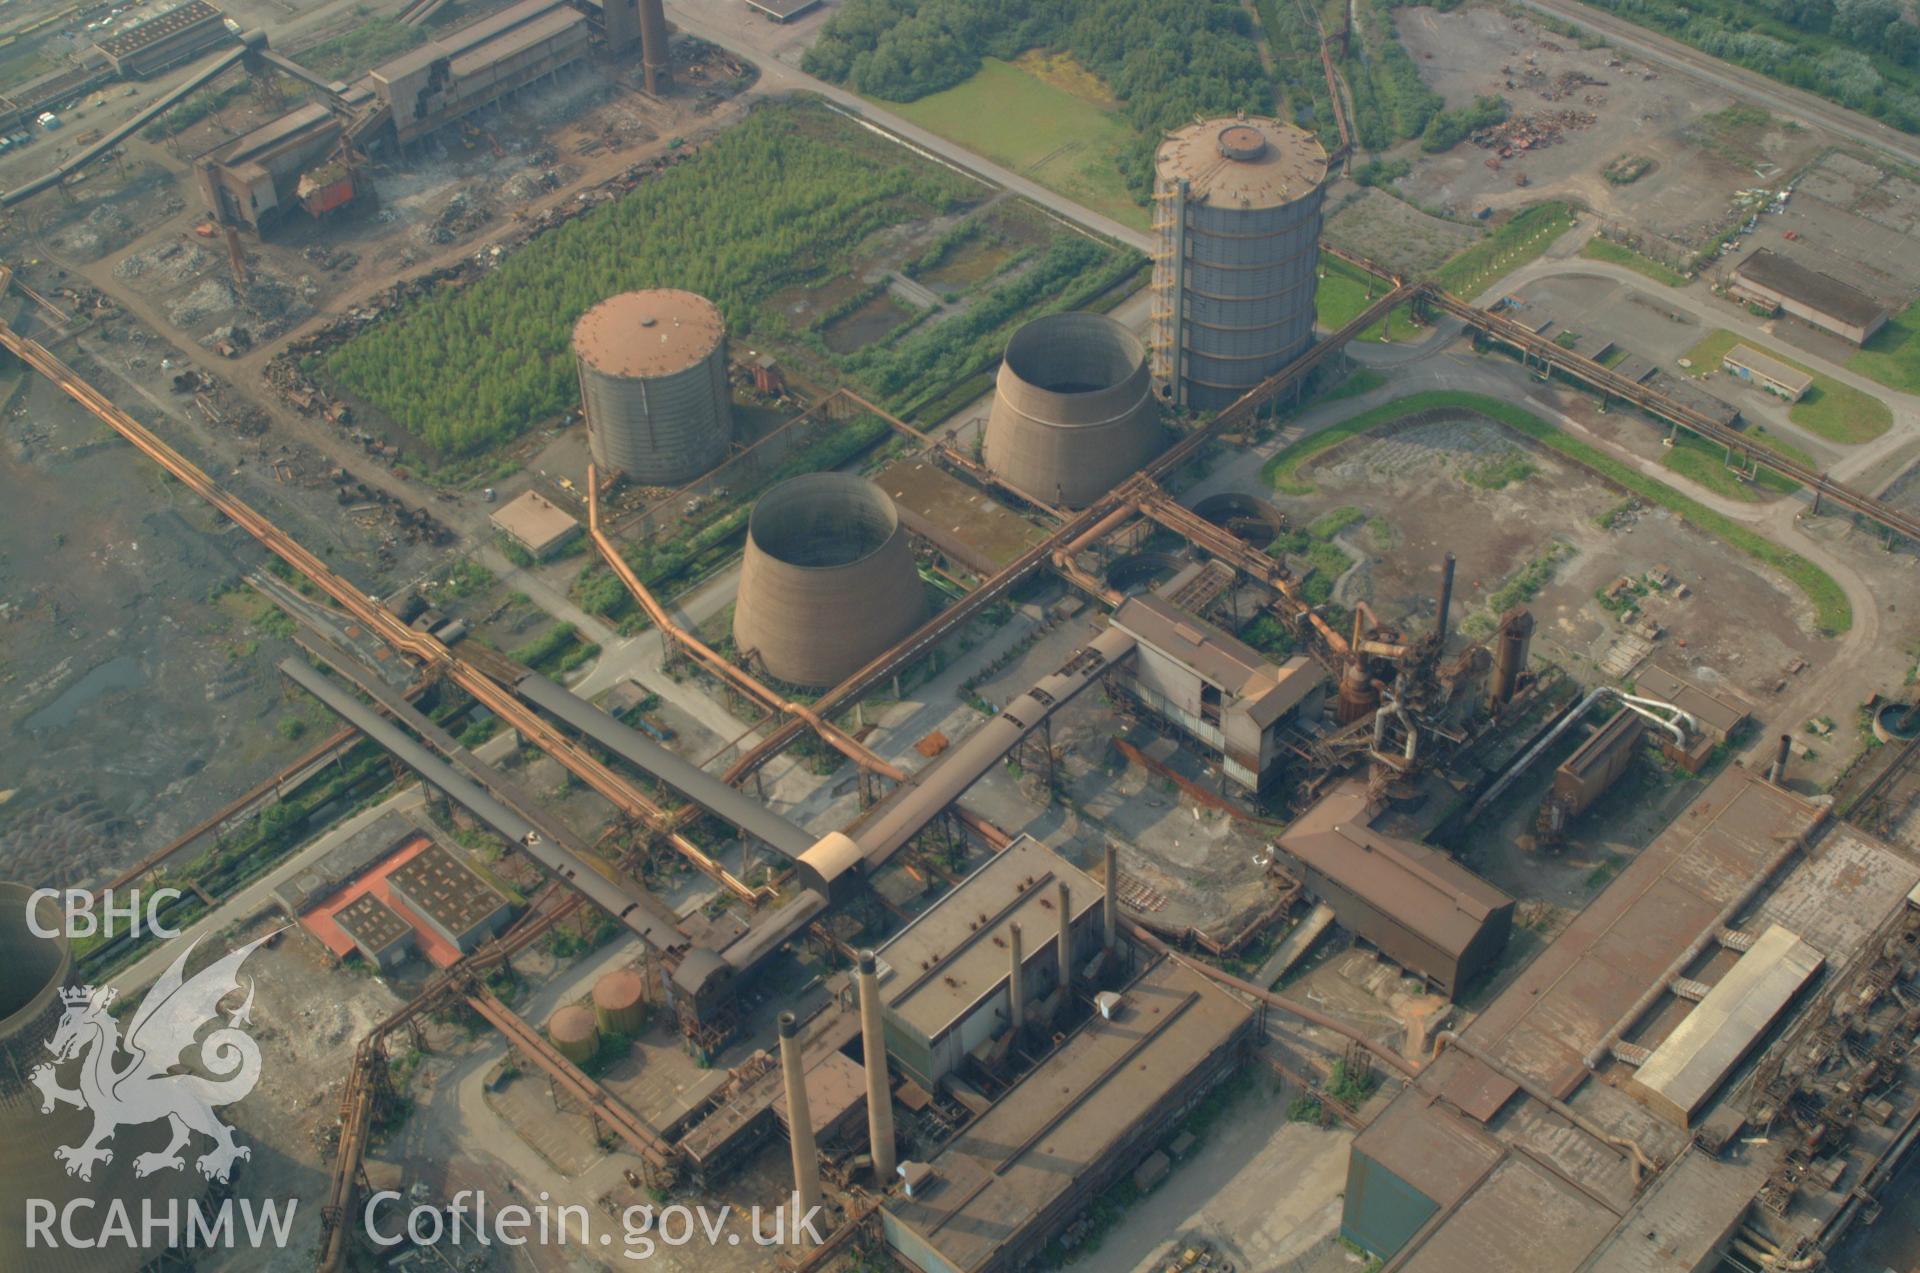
1599, 249
1045, 118
1893, 355
1839, 413
1522, 238
1344, 292
1832, 610
1705, 462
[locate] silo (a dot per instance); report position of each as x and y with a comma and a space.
828, 580
38, 970
1237, 215
1073, 409
653, 383
573, 1033
620, 1002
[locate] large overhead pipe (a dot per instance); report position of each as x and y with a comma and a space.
806, 1158
1016, 980
1111, 910
1445, 604
1677, 725
1066, 946
873, 1043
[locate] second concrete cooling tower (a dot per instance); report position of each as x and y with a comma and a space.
1237, 213
653, 382
828, 580
1073, 411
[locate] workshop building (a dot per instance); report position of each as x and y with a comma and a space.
1776, 377
944, 977
538, 525
450, 898
1078, 1122
1216, 689
1775, 282
379, 934
1422, 909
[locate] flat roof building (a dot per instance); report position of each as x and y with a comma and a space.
166, 39
1693, 993
1422, 909
1079, 1121
1778, 282
1217, 689
536, 523
378, 933
450, 897
944, 977
1719, 713
1769, 373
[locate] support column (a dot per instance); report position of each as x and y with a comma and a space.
1065, 947
873, 1044
806, 1158
1111, 911
1016, 981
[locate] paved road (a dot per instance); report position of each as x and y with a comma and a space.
1749, 85
777, 76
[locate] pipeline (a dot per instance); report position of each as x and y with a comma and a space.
1647, 707
1642, 1165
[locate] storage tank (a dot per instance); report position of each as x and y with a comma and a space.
573, 1033
827, 581
620, 1002
1073, 409
1237, 214
653, 383
38, 969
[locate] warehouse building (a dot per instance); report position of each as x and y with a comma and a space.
1771, 374
462, 71
1619, 1107
1218, 690
1780, 283
165, 40
538, 525
996, 1195
1422, 909
944, 978
449, 897
379, 934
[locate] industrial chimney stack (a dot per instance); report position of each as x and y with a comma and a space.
806, 1158
653, 47
879, 1091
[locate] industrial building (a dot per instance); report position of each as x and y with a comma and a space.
460, 72
946, 978
1780, 283
1710, 1059
1218, 690
541, 527
1771, 374
1422, 909
827, 581
449, 897
1237, 215
1079, 1121
653, 384
1597, 763
1073, 409
379, 934
255, 180
165, 40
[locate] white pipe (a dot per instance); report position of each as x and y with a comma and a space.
1647, 707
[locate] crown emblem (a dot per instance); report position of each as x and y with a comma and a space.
80, 996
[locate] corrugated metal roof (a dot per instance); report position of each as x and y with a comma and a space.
1422, 888
1282, 163
1066, 1116
1810, 287
651, 333
1482, 1235
1719, 712
1770, 368
1227, 662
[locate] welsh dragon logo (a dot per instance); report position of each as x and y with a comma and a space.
146, 1087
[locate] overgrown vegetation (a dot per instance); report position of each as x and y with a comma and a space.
362, 47
1864, 54
1599, 249
1832, 611
1500, 472
1893, 355
1521, 238
1449, 128
1164, 60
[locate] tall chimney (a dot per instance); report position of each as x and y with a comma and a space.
1446, 604
879, 1091
1016, 982
806, 1159
1112, 907
1777, 775
653, 47
1066, 945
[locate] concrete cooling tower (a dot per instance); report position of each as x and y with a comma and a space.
31, 1006
1237, 213
653, 383
828, 580
1073, 412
